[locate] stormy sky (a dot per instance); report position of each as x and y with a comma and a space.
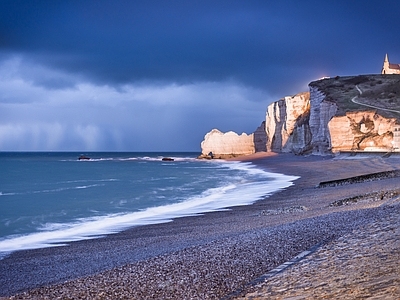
158, 75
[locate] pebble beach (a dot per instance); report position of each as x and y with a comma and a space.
351, 226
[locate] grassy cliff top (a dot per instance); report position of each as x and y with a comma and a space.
378, 92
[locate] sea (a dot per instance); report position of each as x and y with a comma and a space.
48, 199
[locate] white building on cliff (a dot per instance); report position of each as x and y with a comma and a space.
389, 68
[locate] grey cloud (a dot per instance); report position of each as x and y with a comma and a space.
259, 43
169, 117
157, 75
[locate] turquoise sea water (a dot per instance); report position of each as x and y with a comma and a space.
48, 199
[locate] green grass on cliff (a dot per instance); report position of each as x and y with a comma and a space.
381, 91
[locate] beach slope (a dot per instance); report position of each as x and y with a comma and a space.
222, 254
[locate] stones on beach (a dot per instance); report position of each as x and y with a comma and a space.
369, 197
250, 246
360, 178
214, 269
283, 210
359, 265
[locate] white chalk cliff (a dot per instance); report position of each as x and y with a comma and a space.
311, 122
361, 130
227, 144
302, 124
365, 130
286, 124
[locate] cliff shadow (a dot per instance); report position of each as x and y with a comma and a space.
260, 138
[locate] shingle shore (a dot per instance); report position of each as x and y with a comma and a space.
363, 264
207, 257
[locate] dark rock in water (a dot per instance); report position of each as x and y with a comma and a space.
167, 159
83, 157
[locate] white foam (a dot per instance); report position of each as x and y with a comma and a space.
139, 158
7, 194
214, 199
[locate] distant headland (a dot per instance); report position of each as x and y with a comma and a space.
350, 113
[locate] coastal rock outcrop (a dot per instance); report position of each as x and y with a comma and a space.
217, 144
321, 113
338, 123
353, 113
260, 139
365, 130
228, 144
286, 124
327, 120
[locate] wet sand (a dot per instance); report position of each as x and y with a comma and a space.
213, 255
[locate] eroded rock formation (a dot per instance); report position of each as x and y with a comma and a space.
364, 130
321, 112
260, 138
321, 121
286, 124
229, 144
313, 123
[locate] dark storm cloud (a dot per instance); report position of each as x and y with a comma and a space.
261, 43
157, 75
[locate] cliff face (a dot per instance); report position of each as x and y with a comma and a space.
354, 113
260, 138
337, 114
321, 113
223, 145
328, 120
361, 131
286, 124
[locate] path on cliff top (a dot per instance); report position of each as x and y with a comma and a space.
376, 107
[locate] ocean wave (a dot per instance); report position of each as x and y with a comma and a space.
138, 158
61, 189
243, 192
88, 180
7, 194
67, 188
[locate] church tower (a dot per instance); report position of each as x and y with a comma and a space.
389, 68
385, 65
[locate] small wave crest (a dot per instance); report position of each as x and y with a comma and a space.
138, 158
7, 194
233, 192
53, 190
67, 188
